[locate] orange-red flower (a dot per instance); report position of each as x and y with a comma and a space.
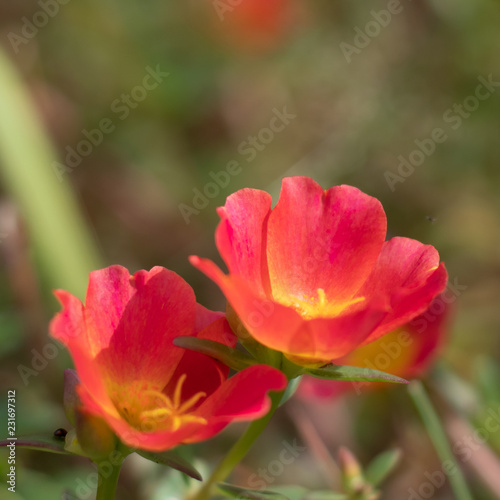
313, 277
406, 352
254, 24
152, 394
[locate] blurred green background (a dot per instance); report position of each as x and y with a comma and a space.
144, 104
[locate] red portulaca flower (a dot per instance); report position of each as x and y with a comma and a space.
254, 23
406, 352
152, 394
314, 277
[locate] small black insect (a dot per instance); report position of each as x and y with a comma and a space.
431, 219
60, 433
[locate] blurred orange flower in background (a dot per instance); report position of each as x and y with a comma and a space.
254, 24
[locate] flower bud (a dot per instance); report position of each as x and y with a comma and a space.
93, 434
71, 399
352, 474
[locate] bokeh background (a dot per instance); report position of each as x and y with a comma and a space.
355, 102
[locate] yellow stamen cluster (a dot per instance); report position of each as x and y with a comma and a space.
319, 306
148, 409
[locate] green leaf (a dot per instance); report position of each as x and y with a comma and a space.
230, 357
171, 459
237, 492
292, 491
434, 428
464, 397
381, 466
488, 380
326, 495
50, 443
353, 373
301, 493
290, 390
12, 334
57, 229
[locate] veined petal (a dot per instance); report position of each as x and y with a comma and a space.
430, 331
405, 352
68, 325
242, 397
259, 315
331, 338
409, 273
327, 240
108, 294
136, 319
241, 236
205, 317
69, 328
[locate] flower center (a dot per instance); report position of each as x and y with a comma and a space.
319, 306
144, 406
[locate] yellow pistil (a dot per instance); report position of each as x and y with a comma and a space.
148, 409
319, 306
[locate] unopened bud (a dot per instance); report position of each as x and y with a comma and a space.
352, 474
71, 399
94, 436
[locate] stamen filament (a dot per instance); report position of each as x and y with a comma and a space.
192, 401
141, 403
178, 390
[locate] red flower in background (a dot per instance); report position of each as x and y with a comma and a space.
406, 352
152, 394
253, 23
313, 277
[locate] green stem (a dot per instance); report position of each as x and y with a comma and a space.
439, 439
108, 480
240, 449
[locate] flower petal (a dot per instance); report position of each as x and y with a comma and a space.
260, 316
108, 294
68, 327
136, 319
331, 338
240, 236
282, 328
430, 332
153, 440
409, 273
242, 397
205, 317
204, 374
322, 239
406, 352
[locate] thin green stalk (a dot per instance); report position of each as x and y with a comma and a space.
239, 450
439, 439
108, 480
62, 242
